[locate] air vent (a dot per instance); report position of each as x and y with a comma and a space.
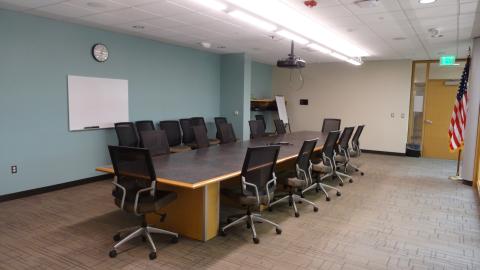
367, 3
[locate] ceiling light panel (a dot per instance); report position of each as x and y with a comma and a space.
212, 4
281, 14
240, 15
292, 36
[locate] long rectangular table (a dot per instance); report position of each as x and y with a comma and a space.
196, 175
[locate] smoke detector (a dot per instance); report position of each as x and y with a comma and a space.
367, 3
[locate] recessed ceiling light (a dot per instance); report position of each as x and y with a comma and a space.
426, 1
399, 38
139, 27
95, 5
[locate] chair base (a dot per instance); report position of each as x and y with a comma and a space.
145, 232
250, 219
292, 200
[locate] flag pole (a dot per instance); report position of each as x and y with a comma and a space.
457, 176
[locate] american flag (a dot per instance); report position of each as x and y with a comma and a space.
459, 114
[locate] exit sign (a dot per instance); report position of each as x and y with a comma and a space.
447, 60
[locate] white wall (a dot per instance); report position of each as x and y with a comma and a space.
358, 95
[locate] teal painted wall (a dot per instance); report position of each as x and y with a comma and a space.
37, 54
235, 92
262, 89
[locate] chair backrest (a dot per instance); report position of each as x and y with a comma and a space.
156, 141
145, 125
172, 129
345, 138
126, 134
303, 158
279, 126
133, 168
356, 137
199, 121
261, 117
329, 146
331, 124
259, 165
201, 138
257, 129
218, 121
227, 134
187, 130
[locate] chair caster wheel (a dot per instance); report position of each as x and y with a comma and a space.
356, 170
351, 180
117, 237
222, 232
297, 214
278, 230
341, 184
174, 240
327, 199
152, 255
339, 194
256, 240
362, 174
112, 253
315, 209
270, 209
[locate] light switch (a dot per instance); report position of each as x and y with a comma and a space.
236, 113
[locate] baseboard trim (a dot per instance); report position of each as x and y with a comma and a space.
383, 153
31, 192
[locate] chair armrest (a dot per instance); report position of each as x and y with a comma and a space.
124, 191
137, 196
274, 182
245, 184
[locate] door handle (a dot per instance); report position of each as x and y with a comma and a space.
428, 121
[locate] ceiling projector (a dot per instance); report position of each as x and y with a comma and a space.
291, 61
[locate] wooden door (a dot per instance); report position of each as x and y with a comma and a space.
439, 101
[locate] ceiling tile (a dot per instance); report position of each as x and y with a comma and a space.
26, 4
415, 4
332, 12
66, 10
165, 9
466, 8
382, 6
433, 12
99, 6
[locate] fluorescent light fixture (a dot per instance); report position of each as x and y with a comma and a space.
282, 14
252, 20
426, 1
340, 56
216, 5
354, 62
292, 36
319, 48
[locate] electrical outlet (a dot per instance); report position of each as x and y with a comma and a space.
392, 115
236, 113
13, 169
402, 115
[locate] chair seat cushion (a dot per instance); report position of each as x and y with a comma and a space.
320, 167
214, 141
180, 148
147, 203
354, 153
295, 182
246, 199
341, 159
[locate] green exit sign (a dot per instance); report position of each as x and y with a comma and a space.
447, 60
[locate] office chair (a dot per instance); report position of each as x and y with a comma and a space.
302, 179
356, 151
227, 134
188, 137
135, 191
261, 117
326, 166
331, 124
343, 157
200, 121
201, 139
257, 129
156, 141
218, 121
257, 187
126, 134
279, 126
144, 125
174, 136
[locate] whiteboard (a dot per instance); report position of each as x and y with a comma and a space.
282, 110
96, 102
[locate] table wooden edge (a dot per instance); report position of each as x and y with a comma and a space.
203, 183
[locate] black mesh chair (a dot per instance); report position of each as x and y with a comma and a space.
144, 125
257, 129
261, 117
356, 151
201, 138
218, 122
188, 137
227, 134
302, 179
174, 136
126, 134
279, 126
156, 141
135, 191
343, 157
257, 187
331, 124
327, 166
200, 121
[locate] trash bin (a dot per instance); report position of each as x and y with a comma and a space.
413, 150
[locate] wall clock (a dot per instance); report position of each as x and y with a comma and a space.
100, 52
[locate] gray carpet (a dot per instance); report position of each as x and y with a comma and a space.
403, 214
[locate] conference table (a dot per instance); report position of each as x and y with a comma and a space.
196, 176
